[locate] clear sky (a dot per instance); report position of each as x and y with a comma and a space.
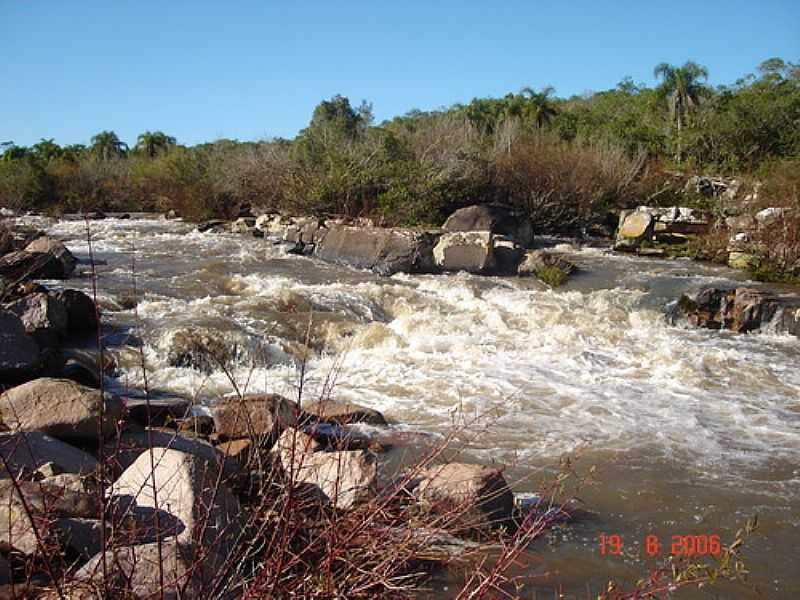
201, 70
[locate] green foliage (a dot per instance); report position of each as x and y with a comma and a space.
551, 275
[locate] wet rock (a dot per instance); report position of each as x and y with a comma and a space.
22, 265
19, 352
156, 412
261, 415
345, 412
635, 227
25, 452
43, 502
6, 241
479, 493
43, 316
136, 572
384, 251
496, 219
345, 478
185, 486
58, 251
742, 310
202, 349
81, 310
548, 266
471, 251
214, 226
62, 409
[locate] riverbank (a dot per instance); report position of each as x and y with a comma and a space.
593, 362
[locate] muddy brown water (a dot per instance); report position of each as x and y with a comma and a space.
691, 431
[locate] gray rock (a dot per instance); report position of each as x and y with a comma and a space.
44, 317
384, 251
259, 415
19, 352
186, 487
480, 494
61, 408
537, 260
494, 218
25, 452
471, 251
22, 265
344, 478
58, 251
81, 310
136, 572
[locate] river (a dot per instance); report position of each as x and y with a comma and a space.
691, 431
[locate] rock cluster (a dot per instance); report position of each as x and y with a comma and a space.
647, 225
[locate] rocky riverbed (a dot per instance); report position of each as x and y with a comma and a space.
606, 364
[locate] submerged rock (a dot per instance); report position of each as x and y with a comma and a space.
479, 495
203, 349
550, 267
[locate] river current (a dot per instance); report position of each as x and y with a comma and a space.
691, 431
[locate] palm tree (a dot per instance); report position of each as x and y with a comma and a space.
153, 142
46, 150
539, 106
106, 145
682, 88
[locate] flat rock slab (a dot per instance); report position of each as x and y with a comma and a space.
28, 451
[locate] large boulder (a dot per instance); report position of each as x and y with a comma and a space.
384, 251
25, 452
22, 265
43, 316
258, 415
137, 572
188, 488
344, 478
57, 250
471, 251
19, 352
126, 449
199, 348
478, 495
742, 310
61, 408
81, 311
344, 413
634, 228
494, 218
27, 506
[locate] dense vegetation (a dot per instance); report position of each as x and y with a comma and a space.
568, 160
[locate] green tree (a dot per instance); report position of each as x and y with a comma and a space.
152, 143
683, 89
46, 150
106, 145
539, 106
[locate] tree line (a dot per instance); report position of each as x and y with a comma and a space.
569, 161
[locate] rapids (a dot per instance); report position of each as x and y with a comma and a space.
691, 430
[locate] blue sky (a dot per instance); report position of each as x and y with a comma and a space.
201, 70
